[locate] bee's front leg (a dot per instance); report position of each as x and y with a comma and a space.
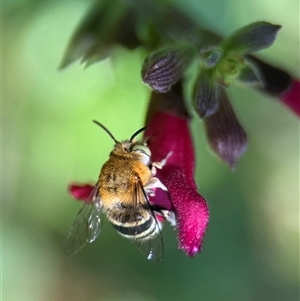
160, 164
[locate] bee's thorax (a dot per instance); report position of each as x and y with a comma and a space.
119, 174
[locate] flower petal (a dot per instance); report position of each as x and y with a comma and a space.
168, 132
80, 192
191, 209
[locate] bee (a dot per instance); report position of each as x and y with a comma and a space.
122, 193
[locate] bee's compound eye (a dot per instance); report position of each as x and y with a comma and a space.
141, 149
144, 151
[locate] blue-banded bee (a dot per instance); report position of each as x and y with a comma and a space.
125, 182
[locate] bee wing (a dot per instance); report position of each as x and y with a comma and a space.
87, 224
152, 245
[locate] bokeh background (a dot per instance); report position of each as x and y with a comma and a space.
251, 249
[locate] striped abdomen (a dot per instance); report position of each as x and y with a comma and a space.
134, 225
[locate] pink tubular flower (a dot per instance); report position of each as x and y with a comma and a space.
291, 97
80, 192
171, 133
168, 131
279, 84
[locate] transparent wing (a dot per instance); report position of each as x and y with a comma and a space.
152, 248
87, 224
151, 245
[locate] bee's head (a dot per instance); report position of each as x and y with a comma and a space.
136, 147
143, 151
140, 148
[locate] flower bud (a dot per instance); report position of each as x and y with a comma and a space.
163, 69
252, 38
225, 134
205, 95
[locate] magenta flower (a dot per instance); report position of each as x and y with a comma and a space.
291, 97
80, 192
171, 133
168, 131
279, 83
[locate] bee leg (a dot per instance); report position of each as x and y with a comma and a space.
169, 216
160, 164
155, 183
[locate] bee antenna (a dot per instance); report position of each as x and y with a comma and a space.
106, 130
137, 132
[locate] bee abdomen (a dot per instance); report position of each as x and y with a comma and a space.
147, 229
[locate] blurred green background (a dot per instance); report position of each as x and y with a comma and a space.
251, 249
